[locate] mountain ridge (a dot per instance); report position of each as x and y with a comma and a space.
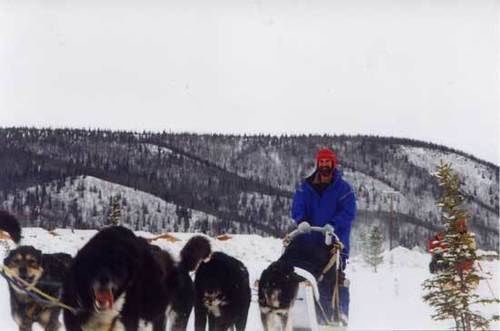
227, 176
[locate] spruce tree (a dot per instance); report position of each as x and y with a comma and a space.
363, 240
115, 213
452, 290
372, 248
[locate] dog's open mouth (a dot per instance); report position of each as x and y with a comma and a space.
104, 299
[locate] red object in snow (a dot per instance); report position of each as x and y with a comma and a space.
435, 245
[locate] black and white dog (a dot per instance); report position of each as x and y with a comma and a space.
278, 287
222, 294
114, 281
118, 280
279, 283
44, 271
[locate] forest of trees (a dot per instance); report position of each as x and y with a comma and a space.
244, 180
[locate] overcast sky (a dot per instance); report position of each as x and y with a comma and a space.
422, 69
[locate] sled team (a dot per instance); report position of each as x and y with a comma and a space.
120, 281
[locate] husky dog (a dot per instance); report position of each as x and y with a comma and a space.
44, 271
118, 280
222, 294
278, 287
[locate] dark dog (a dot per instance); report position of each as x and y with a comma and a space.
44, 271
279, 284
196, 250
278, 287
10, 224
223, 293
118, 279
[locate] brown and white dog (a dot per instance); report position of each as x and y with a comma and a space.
43, 271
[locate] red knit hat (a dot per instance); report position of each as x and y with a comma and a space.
326, 153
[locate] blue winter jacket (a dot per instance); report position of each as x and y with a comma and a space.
336, 206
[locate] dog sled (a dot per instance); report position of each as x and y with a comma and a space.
306, 313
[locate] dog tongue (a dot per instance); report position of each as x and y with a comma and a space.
104, 299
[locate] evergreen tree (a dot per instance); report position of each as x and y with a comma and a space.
363, 240
115, 213
372, 247
451, 291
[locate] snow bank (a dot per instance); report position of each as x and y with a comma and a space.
388, 299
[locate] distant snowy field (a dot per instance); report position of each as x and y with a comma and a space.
388, 299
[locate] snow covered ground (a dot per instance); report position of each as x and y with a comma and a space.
388, 299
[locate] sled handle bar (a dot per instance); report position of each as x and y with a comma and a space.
327, 230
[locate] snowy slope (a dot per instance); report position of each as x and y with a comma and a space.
240, 184
478, 179
389, 299
89, 198
373, 194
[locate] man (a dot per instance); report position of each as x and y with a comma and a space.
325, 198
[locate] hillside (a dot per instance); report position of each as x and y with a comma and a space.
221, 183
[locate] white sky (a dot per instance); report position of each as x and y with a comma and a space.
423, 69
